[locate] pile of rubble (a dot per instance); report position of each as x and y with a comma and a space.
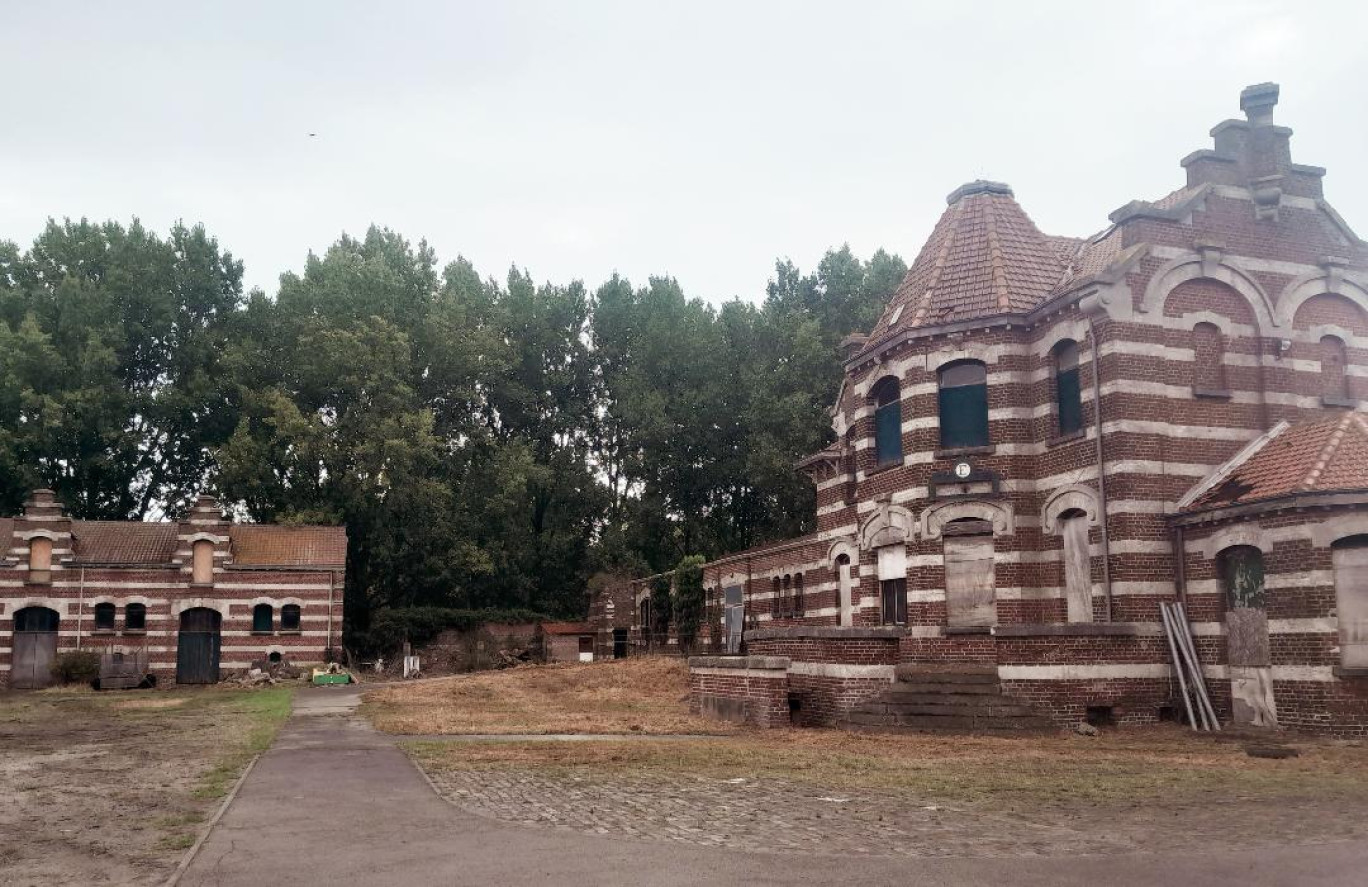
263, 672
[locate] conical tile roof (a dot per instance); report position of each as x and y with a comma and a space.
985, 257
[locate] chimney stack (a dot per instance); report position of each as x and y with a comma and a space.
1258, 102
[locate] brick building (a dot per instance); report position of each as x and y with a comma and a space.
202, 597
1043, 438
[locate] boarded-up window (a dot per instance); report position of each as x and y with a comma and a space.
135, 617
963, 402
887, 422
893, 584
1068, 394
104, 617
777, 598
202, 569
1242, 579
263, 618
798, 602
40, 557
844, 589
289, 617
1242, 576
1351, 599
1077, 566
969, 597
1334, 382
1208, 369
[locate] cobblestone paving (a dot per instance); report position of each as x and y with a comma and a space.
750, 815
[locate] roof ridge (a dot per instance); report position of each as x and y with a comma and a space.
1003, 292
1331, 447
938, 266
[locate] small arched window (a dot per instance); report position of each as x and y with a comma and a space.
776, 601
135, 617
263, 619
1208, 369
888, 447
798, 594
289, 617
202, 567
40, 559
104, 617
963, 404
1068, 393
1242, 577
1334, 381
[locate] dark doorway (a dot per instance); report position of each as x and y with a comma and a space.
35, 648
197, 648
619, 643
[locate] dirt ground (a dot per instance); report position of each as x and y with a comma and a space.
648, 694
111, 788
830, 791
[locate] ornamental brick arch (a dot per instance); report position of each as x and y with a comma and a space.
1210, 266
1080, 497
1332, 310
889, 525
1331, 282
999, 514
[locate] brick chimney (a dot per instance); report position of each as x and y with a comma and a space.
42, 505
1255, 153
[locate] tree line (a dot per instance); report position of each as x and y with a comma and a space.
489, 443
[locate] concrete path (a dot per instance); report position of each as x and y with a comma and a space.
334, 802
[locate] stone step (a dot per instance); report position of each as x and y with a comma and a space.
924, 669
996, 708
990, 680
949, 723
922, 688
982, 730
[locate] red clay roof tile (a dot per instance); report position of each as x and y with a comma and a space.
277, 546
123, 542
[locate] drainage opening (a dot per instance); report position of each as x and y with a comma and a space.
1101, 716
1168, 714
274, 657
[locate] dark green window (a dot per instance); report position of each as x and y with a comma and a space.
888, 422
135, 617
1068, 396
263, 618
963, 405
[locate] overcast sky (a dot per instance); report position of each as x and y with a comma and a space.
702, 140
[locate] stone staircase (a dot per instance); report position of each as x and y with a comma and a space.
946, 698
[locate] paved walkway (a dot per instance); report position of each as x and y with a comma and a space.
334, 802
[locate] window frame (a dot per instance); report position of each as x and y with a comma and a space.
105, 616
140, 611
962, 408
257, 611
291, 624
1068, 388
888, 444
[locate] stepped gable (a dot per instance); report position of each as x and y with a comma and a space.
985, 257
1313, 457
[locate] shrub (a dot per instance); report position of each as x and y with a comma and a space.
76, 667
688, 600
660, 609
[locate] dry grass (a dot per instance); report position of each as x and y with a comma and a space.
638, 695
1143, 765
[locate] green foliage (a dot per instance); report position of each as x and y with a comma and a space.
76, 667
489, 443
661, 607
689, 599
418, 625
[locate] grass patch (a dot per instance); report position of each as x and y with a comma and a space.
645, 694
177, 842
265, 712
1135, 766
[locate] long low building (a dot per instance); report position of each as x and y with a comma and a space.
1043, 439
202, 598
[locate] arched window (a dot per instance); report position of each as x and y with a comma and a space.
40, 559
263, 619
776, 601
1068, 394
1350, 559
202, 568
844, 590
963, 404
1073, 526
887, 422
1334, 382
1208, 368
798, 594
893, 584
135, 617
104, 617
1242, 577
289, 617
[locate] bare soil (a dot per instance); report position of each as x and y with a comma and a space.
112, 788
647, 694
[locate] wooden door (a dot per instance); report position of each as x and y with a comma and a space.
969, 597
198, 647
1077, 569
34, 648
1351, 600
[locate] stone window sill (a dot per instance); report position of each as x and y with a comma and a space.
1060, 440
1332, 401
266, 634
1069, 629
135, 631
955, 452
285, 631
205, 586
102, 632
968, 629
1211, 393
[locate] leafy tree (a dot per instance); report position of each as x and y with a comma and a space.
689, 599
661, 606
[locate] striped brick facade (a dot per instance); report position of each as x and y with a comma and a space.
1201, 323
152, 566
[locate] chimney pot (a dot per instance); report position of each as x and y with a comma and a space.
1258, 101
